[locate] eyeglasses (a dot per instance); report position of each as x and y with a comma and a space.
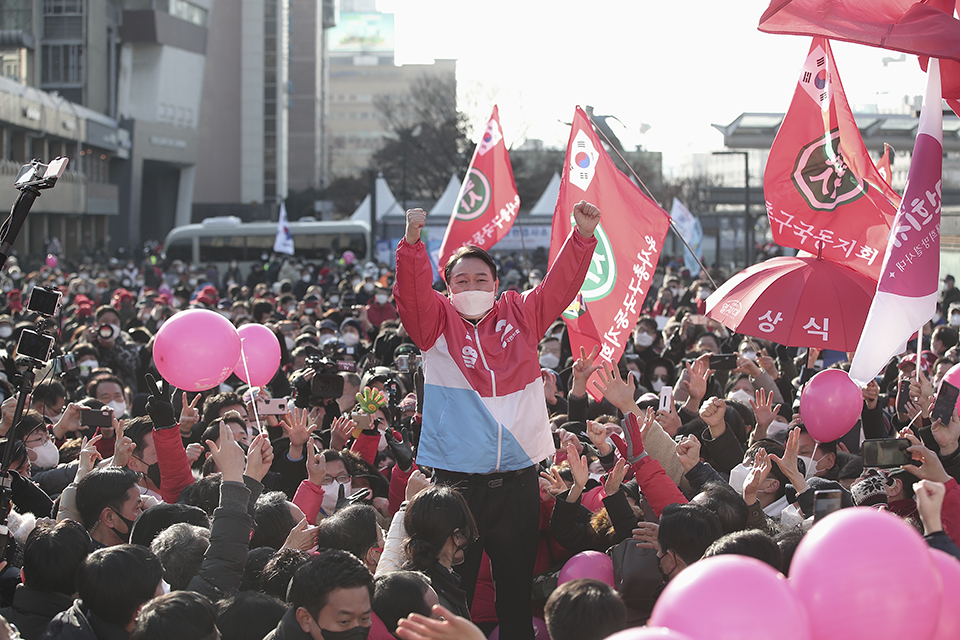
342, 479
459, 536
38, 437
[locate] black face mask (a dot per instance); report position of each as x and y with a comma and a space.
356, 633
153, 472
123, 536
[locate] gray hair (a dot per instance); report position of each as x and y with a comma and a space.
180, 548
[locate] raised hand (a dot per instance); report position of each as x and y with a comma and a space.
340, 432
688, 451
615, 477
416, 483
669, 420
930, 467
758, 475
302, 537
712, 413
790, 462
615, 389
194, 451
583, 368
556, 483
947, 435
400, 447
444, 625
930, 504
768, 364
159, 405
88, 457
316, 465
298, 428
416, 220
633, 434
228, 455
871, 393
598, 436
371, 399
695, 384
189, 414
123, 448
764, 411
259, 457
646, 535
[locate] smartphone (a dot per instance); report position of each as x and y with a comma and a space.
723, 361
96, 418
272, 407
697, 319
945, 403
886, 453
825, 502
666, 398
903, 395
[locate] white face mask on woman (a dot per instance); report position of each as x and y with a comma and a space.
48, 456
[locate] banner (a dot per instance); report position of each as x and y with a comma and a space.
284, 241
690, 229
823, 192
629, 240
488, 202
907, 292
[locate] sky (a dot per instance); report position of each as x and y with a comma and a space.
678, 67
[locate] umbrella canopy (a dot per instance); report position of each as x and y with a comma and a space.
798, 302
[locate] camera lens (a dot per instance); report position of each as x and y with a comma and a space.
105, 331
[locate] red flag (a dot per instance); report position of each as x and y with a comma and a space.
822, 189
925, 28
629, 240
883, 166
907, 292
488, 202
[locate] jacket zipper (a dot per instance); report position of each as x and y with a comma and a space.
493, 383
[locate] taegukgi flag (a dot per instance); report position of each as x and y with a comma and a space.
488, 201
629, 240
907, 292
284, 240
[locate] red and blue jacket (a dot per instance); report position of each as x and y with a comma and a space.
484, 408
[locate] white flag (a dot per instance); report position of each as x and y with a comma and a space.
284, 241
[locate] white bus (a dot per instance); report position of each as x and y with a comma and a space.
223, 239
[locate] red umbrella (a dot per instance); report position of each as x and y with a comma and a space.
798, 302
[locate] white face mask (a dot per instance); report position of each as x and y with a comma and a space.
368, 287
740, 396
473, 304
955, 319
119, 408
643, 339
331, 493
327, 337
749, 355
381, 298
48, 456
87, 366
116, 331
334, 300
656, 385
549, 360
737, 477
703, 294
350, 339
811, 467
6, 331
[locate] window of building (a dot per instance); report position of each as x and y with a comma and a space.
188, 11
62, 64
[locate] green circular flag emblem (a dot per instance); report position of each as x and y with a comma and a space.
822, 176
474, 196
600, 279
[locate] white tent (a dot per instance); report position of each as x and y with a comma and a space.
548, 199
448, 201
387, 205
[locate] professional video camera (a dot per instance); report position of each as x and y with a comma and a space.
326, 383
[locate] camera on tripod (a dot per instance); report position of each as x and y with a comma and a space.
38, 345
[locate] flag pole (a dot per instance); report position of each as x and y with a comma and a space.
648, 193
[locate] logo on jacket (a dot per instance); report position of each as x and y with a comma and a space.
509, 333
469, 357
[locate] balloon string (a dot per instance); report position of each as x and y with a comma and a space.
253, 396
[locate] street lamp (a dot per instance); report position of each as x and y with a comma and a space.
747, 218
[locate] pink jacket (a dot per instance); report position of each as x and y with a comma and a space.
484, 409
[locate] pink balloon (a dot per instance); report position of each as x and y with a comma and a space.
587, 564
52, 261
648, 633
830, 404
539, 630
261, 349
349, 257
864, 574
717, 588
196, 350
948, 626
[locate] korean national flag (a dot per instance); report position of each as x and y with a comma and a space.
491, 137
583, 161
815, 77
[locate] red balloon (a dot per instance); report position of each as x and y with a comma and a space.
261, 349
948, 626
716, 588
864, 574
196, 350
830, 405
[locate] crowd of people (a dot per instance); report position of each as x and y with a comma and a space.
428, 456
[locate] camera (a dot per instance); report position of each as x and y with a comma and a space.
105, 331
409, 362
326, 382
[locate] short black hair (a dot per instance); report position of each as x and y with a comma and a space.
279, 570
352, 529
137, 430
397, 594
257, 559
687, 530
724, 501
114, 582
249, 616
53, 554
317, 578
272, 521
946, 334
469, 251
102, 488
584, 610
753, 543
181, 615
157, 518
213, 405
430, 519
203, 494
101, 379
48, 392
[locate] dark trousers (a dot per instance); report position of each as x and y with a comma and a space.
506, 507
